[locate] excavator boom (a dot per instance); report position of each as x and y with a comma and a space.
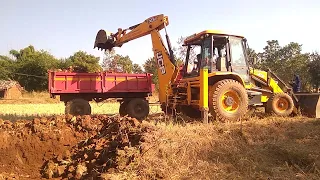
167, 70
106, 40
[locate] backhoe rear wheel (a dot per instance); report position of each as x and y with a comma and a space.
228, 100
281, 104
78, 107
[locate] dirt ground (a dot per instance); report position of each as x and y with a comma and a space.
67, 147
110, 147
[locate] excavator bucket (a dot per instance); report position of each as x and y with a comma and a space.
103, 41
309, 104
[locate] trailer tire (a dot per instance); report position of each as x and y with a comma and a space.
228, 100
123, 108
281, 104
78, 107
138, 108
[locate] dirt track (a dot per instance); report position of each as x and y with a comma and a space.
64, 147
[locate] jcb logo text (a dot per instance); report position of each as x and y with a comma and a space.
161, 63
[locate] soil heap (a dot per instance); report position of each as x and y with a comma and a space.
81, 147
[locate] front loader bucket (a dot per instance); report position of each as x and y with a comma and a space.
103, 41
309, 104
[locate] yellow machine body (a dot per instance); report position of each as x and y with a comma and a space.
231, 87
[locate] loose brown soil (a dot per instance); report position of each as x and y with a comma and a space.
104, 147
68, 147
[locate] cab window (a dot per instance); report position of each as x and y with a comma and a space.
206, 55
193, 52
237, 53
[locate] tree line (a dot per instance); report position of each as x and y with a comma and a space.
29, 66
287, 61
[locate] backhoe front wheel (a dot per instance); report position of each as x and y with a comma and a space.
281, 104
228, 100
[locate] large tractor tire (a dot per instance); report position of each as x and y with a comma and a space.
78, 107
138, 108
280, 104
228, 100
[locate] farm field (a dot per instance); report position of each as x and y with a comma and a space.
40, 104
37, 141
16, 111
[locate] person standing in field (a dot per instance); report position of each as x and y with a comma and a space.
296, 83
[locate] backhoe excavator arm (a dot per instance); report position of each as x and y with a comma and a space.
167, 70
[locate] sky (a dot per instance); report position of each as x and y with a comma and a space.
64, 27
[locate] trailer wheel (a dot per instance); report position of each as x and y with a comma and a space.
123, 108
78, 107
281, 104
138, 108
228, 100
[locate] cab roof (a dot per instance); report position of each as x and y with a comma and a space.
197, 36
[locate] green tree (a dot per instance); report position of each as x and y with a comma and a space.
84, 62
108, 59
314, 69
117, 63
150, 66
285, 61
31, 67
123, 63
252, 55
64, 63
7, 66
136, 68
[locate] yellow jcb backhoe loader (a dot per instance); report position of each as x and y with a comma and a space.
232, 85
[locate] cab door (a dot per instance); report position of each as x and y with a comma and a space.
239, 63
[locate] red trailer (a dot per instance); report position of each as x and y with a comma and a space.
76, 90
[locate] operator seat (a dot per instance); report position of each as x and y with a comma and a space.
221, 64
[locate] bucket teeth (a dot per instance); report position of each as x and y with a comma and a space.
103, 42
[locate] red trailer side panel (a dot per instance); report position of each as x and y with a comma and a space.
118, 82
67, 82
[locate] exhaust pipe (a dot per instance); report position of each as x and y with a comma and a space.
104, 41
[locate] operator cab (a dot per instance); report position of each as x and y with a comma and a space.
216, 51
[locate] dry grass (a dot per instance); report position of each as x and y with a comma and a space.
31, 98
35, 104
44, 98
261, 148
275, 148
29, 111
